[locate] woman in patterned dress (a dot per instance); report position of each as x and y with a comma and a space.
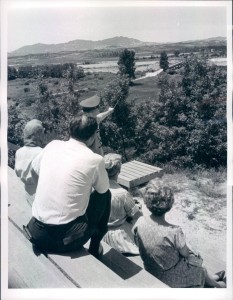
163, 248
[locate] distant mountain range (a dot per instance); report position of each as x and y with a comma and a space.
111, 43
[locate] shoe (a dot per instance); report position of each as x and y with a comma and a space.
97, 254
220, 275
222, 284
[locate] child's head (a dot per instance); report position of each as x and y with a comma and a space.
112, 164
158, 199
33, 133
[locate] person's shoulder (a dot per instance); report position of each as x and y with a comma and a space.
54, 143
140, 222
27, 149
176, 228
96, 157
21, 149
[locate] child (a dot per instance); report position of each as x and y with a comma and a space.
33, 140
90, 107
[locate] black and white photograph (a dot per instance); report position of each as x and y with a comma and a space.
116, 155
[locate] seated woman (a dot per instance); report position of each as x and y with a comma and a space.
123, 206
163, 248
33, 135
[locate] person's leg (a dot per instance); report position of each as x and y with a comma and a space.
58, 238
36, 232
210, 281
98, 212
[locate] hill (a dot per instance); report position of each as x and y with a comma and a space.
79, 45
111, 43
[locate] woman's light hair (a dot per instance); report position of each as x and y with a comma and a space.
158, 199
33, 133
113, 163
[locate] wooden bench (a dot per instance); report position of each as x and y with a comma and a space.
26, 270
79, 268
135, 173
131, 271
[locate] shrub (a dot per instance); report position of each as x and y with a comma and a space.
187, 126
26, 89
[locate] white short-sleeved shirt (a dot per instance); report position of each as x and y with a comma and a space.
68, 171
23, 160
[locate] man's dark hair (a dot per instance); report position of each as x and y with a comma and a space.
83, 127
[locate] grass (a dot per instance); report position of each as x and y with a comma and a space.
93, 83
145, 89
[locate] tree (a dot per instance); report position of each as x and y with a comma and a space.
25, 71
12, 73
187, 126
176, 53
163, 61
118, 130
126, 63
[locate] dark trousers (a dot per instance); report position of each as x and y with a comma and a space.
73, 235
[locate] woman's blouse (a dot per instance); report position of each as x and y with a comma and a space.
158, 244
122, 205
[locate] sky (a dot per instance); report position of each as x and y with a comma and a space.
52, 25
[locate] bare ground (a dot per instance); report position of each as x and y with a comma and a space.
200, 208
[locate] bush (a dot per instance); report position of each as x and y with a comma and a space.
187, 127
26, 89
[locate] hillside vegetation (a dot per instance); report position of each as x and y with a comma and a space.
178, 119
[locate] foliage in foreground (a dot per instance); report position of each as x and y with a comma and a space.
187, 126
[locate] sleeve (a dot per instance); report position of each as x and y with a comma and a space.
103, 115
180, 240
101, 181
135, 230
18, 171
130, 207
35, 167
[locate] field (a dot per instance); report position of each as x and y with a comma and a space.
24, 92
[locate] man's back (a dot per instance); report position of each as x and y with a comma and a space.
67, 173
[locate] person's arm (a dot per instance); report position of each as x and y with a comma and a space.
184, 251
100, 178
180, 243
134, 230
131, 208
35, 166
101, 116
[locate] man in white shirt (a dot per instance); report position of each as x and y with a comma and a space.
72, 202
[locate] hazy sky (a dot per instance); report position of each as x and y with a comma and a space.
27, 26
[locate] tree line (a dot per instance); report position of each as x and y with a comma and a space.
45, 71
